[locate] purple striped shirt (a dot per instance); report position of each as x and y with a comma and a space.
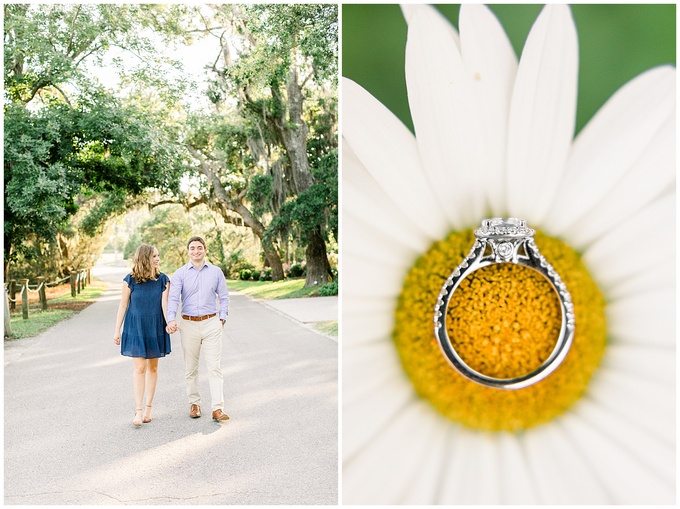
198, 290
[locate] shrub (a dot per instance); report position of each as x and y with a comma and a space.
297, 270
245, 274
237, 263
329, 289
266, 274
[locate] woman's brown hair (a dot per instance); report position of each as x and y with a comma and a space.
142, 270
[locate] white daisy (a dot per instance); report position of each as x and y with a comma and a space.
496, 138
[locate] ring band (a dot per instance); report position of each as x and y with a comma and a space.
506, 238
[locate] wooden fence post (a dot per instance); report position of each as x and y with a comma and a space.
78, 280
89, 278
72, 276
24, 299
84, 278
13, 294
8, 325
42, 293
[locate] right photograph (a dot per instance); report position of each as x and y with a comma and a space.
508, 254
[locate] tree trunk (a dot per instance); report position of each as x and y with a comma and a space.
318, 269
270, 253
293, 131
236, 205
8, 252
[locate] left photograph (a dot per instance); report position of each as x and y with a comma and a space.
170, 254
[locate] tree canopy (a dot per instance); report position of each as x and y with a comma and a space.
263, 156
66, 138
275, 77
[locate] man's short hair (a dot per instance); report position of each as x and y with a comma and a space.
196, 239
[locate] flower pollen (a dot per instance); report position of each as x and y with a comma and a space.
503, 320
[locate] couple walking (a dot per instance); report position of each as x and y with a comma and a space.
148, 314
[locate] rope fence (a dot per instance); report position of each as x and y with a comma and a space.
78, 279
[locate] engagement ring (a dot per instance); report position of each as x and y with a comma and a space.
505, 240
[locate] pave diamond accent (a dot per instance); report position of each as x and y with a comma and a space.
499, 227
442, 301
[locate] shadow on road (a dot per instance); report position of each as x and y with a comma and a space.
69, 407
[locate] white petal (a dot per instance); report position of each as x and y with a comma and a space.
361, 306
443, 109
370, 278
362, 239
364, 419
560, 472
611, 142
411, 10
472, 463
367, 368
655, 364
517, 485
646, 404
388, 150
388, 464
428, 477
625, 479
363, 198
366, 319
647, 279
542, 114
647, 319
646, 179
490, 59
657, 455
630, 246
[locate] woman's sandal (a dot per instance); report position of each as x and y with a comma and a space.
147, 419
136, 422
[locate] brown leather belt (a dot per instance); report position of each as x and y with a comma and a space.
198, 318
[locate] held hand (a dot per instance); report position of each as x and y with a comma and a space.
172, 327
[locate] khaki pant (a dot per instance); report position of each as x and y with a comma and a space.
207, 335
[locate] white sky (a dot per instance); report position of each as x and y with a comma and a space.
194, 58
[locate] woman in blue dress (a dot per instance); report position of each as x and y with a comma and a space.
142, 311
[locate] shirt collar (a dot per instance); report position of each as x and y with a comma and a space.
191, 265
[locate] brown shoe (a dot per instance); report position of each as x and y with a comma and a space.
195, 412
219, 415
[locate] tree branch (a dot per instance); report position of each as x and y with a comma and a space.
64, 96
73, 22
188, 205
42, 83
94, 49
306, 78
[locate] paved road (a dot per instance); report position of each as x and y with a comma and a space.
68, 412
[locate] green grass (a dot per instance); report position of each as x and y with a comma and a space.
38, 322
328, 328
288, 289
91, 292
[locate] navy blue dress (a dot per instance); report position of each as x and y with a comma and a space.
144, 332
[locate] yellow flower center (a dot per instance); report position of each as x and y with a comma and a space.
503, 320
